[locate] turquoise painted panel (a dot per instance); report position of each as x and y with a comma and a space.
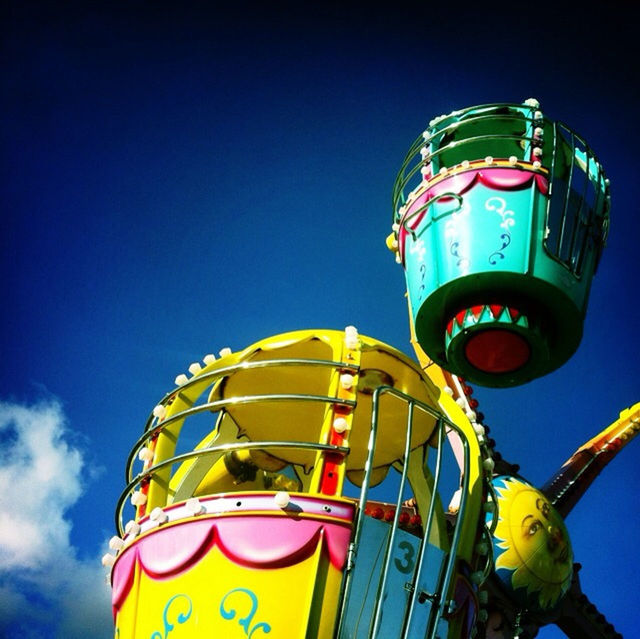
491, 230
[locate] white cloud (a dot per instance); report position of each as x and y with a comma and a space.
45, 589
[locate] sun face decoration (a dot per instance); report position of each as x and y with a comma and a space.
531, 544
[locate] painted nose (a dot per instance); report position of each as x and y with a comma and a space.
555, 537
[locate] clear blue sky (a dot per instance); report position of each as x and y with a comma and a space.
180, 179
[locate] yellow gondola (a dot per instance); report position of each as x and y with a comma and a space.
267, 524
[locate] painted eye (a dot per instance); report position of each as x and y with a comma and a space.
534, 528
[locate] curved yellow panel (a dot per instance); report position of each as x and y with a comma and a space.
219, 598
303, 421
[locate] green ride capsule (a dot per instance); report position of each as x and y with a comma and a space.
499, 219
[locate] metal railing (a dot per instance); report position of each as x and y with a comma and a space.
441, 601
154, 426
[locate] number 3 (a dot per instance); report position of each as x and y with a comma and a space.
405, 565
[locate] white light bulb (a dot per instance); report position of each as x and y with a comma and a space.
443, 170
194, 506
454, 504
145, 454
132, 528
537, 151
225, 351
477, 577
160, 411
479, 428
448, 390
181, 379
282, 499
209, 358
488, 507
346, 381
488, 464
513, 160
489, 159
115, 543
138, 498
108, 560
158, 515
466, 164
195, 368
340, 424
537, 164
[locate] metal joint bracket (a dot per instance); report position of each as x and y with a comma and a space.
426, 596
351, 557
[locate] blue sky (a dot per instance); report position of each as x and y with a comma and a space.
178, 180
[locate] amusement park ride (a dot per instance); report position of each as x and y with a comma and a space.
321, 484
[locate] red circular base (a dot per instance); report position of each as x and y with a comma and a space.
497, 351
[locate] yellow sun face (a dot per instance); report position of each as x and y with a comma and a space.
531, 542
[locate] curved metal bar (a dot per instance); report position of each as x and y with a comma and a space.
520, 117
386, 562
222, 403
425, 206
477, 138
494, 499
220, 448
565, 207
491, 105
424, 544
488, 569
364, 491
446, 581
396, 190
402, 183
245, 365
443, 423
519, 114
600, 191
